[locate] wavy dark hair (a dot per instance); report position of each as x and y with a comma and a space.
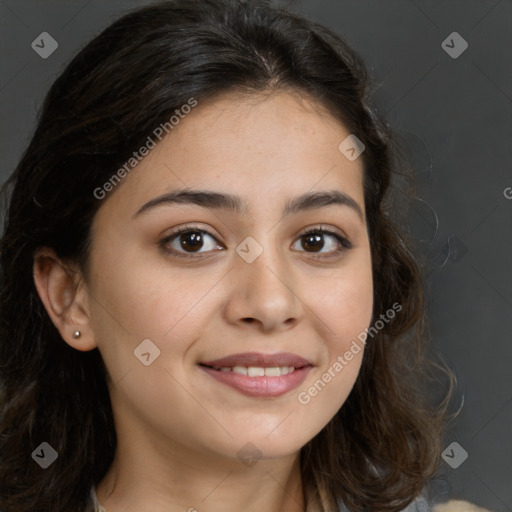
383, 445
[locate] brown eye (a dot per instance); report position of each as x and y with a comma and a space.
192, 239
315, 240
189, 240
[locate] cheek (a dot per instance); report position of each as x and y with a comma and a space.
137, 297
346, 305
345, 310
132, 291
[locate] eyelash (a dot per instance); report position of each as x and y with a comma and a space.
344, 242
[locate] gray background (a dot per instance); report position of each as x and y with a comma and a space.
454, 117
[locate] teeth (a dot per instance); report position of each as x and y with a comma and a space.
254, 371
273, 372
258, 371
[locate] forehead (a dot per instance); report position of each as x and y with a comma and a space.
265, 148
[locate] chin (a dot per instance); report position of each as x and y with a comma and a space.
267, 447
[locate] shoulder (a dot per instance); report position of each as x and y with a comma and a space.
458, 506
420, 504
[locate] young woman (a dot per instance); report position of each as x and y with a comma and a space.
206, 302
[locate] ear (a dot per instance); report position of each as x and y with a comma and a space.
65, 298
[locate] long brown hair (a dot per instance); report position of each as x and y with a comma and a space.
382, 446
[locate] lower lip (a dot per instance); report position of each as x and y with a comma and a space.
265, 386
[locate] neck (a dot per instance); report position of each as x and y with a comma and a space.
197, 482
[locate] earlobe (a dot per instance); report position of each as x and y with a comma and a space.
66, 305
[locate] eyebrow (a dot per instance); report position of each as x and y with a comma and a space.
233, 203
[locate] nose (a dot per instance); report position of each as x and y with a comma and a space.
265, 293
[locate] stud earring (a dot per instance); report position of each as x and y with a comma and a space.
77, 334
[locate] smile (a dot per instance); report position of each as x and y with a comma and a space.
258, 371
262, 384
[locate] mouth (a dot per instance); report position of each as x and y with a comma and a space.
261, 375
259, 360
256, 371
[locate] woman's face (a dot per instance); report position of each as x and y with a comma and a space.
245, 284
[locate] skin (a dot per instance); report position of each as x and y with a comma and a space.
179, 430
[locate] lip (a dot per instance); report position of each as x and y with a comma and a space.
264, 386
258, 359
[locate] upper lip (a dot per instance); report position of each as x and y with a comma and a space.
259, 360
